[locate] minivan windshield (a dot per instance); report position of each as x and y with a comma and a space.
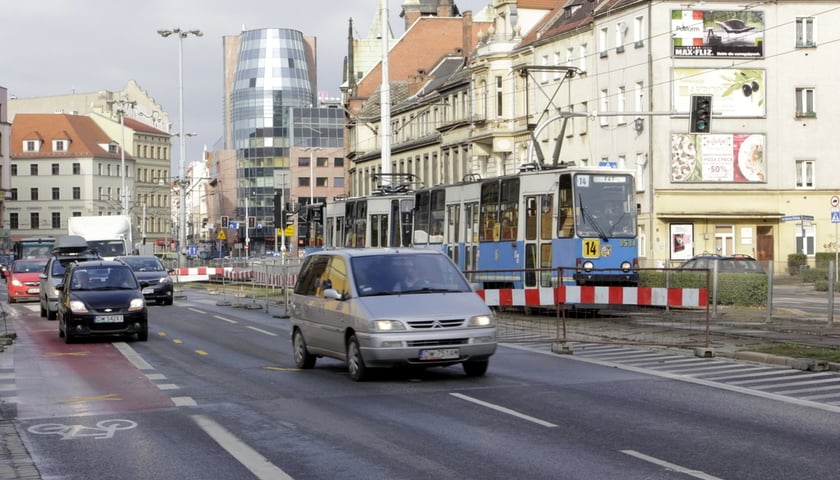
395, 274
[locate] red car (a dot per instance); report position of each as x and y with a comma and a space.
23, 279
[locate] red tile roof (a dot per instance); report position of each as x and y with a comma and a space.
85, 137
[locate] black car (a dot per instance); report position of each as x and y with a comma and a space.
99, 298
725, 263
150, 269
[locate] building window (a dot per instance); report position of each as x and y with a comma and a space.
582, 58
805, 32
13, 171
77, 193
59, 146
322, 162
303, 181
639, 31
33, 169
620, 105
14, 221
56, 195
30, 146
805, 174
34, 220
33, 193
570, 57
603, 35
338, 162
55, 219
570, 122
807, 244
303, 161
805, 102
77, 169
55, 169
14, 194
605, 104
338, 182
499, 97
584, 125
321, 182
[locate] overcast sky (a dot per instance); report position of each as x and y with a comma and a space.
55, 47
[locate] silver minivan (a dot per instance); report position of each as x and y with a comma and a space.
386, 307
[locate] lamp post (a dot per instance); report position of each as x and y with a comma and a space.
182, 181
122, 105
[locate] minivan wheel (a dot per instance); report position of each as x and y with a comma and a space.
476, 368
355, 362
303, 359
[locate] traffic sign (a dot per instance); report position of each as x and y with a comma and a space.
835, 201
835, 217
793, 218
221, 235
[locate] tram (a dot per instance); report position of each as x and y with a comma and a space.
580, 221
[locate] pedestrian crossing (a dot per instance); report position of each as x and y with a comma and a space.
821, 387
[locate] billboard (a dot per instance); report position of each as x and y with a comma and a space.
717, 33
737, 92
736, 158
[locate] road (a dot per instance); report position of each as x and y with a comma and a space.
214, 394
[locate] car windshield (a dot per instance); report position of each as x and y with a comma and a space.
103, 278
391, 274
29, 266
139, 264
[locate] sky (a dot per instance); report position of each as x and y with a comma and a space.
57, 47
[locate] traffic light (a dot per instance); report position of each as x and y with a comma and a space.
290, 218
225, 222
252, 222
203, 223
700, 118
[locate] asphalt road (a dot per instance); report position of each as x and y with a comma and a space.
214, 394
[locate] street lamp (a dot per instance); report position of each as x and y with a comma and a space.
122, 106
182, 192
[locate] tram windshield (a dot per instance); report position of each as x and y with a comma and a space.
604, 205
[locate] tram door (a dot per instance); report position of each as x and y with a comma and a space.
471, 222
538, 218
452, 235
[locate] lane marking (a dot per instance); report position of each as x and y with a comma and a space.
247, 456
670, 466
282, 369
68, 354
225, 319
110, 397
504, 410
201, 352
262, 331
196, 310
132, 356
177, 341
167, 386
184, 402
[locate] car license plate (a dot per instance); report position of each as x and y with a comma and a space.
108, 319
148, 290
33, 290
439, 354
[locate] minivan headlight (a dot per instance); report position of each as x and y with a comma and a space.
389, 326
481, 321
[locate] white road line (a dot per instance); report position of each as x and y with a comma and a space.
247, 456
670, 466
263, 331
184, 402
132, 356
225, 319
504, 410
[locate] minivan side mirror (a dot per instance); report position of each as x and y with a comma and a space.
333, 293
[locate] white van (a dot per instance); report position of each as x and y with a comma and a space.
386, 307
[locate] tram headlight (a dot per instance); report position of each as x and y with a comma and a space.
588, 266
626, 266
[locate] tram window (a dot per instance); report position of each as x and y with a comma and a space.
546, 216
509, 204
489, 211
565, 215
422, 209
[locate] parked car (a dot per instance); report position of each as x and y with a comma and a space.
23, 279
386, 307
151, 270
66, 250
101, 297
725, 263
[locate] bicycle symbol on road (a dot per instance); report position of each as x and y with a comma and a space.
104, 429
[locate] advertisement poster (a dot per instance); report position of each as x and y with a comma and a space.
682, 241
736, 92
718, 33
735, 158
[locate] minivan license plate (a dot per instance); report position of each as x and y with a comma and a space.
439, 354
108, 319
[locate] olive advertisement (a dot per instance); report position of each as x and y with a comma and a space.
736, 92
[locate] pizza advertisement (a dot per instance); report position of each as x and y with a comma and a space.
737, 158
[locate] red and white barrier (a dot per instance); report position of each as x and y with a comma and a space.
646, 296
203, 274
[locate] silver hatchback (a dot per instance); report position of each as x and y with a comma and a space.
386, 307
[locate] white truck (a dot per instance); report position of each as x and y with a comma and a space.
111, 235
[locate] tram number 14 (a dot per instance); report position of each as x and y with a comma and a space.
591, 247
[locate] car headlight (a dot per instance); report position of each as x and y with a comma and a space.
389, 326
77, 306
136, 304
165, 280
481, 321
17, 283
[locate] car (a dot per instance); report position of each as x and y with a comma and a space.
66, 250
101, 298
149, 269
23, 279
725, 263
358, 306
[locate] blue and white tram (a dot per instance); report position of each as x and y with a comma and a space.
363, 222
581, 220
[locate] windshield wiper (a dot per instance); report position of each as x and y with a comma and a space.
592, 220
